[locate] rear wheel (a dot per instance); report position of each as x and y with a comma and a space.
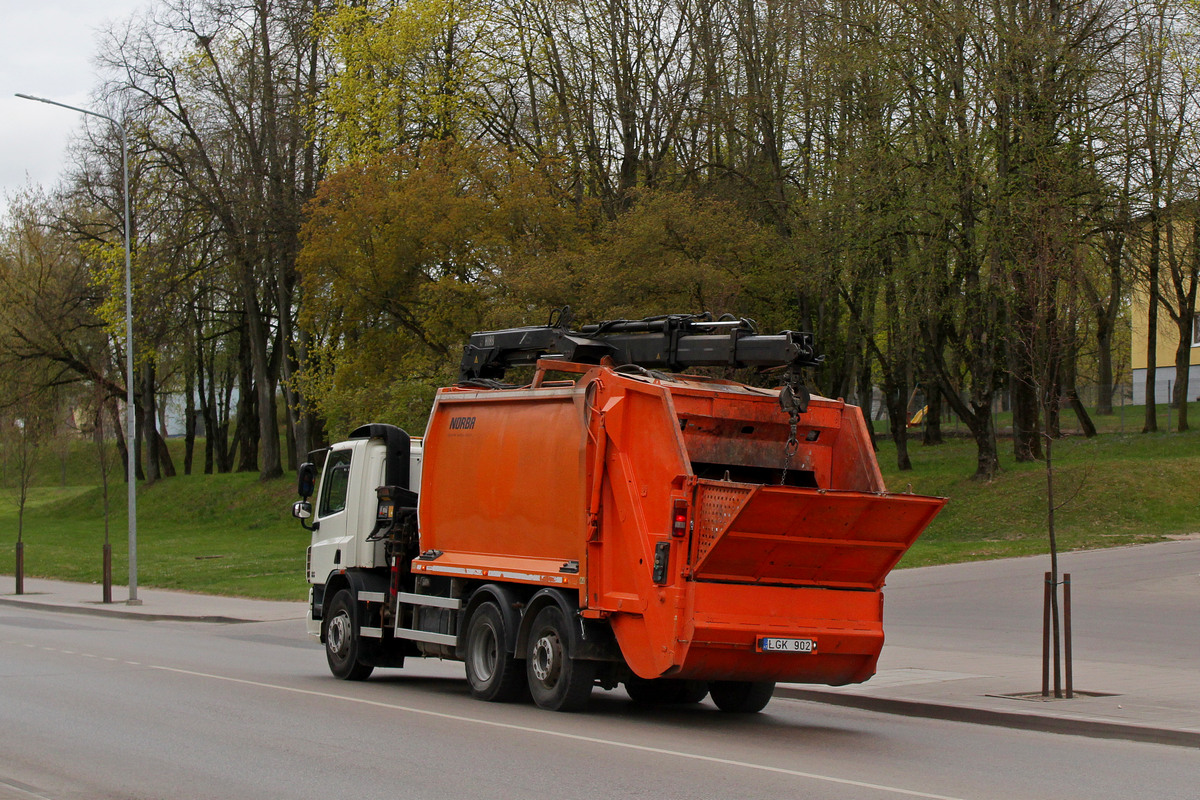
556, 681
741, 697
492, 673
343, 645
665, 691
694, 692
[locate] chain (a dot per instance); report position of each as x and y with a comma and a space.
789, 449
794, 400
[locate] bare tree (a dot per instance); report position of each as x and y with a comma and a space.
225, 93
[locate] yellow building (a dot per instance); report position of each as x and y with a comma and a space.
1167, 339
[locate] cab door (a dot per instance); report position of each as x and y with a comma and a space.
336, 518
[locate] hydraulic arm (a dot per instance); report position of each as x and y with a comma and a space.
674, 342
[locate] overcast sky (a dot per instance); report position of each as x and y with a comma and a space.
47, 48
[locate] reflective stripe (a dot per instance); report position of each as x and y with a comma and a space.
429, 600
426, 636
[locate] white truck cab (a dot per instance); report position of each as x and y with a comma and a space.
342, 513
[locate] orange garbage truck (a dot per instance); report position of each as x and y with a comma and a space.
612, 520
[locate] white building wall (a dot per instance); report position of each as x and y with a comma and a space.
1164, 384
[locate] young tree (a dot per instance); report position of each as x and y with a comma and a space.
100, 407
27, 418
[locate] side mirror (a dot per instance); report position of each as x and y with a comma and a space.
306, 482
302, 510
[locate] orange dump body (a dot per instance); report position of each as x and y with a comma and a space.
586, 485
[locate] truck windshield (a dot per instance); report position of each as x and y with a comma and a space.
337, 480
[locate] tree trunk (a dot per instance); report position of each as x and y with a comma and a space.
896, 397
165, 462
270, 464
1026, 436
1183, 362
225, 444
1085, 422
987, 462
148, 416
864, 398
138, 437
189, 419
977, 416
247, 431
1104, 371
119, 428
1185, 279
1151, 421
933, 417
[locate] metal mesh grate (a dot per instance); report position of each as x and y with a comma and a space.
719, 504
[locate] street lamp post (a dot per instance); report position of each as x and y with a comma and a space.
130, 430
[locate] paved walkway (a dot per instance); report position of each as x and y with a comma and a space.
963, 641
154, 604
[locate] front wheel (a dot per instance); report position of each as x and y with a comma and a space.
556, 681
741, 697
343, 645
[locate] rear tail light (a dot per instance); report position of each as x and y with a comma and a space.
679, 518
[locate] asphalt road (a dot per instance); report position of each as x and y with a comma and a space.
109, 708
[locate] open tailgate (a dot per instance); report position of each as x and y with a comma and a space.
751, 533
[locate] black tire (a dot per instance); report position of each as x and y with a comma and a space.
741, 697
493, 674
556, 681
343, 645
693, 692
665, 691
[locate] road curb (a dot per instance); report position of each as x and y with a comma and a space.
1096, 729
105, 611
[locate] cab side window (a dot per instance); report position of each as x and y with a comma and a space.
336, 483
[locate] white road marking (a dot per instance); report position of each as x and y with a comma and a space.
729, 762
19, 791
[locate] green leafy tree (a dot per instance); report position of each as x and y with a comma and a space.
405, 256
669, 252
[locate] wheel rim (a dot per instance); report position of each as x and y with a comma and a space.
485, 652
337, 636
547, 658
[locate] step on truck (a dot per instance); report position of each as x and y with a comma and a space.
612, 520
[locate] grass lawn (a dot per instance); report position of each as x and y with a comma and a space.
221, 534
232, 534
1117, 488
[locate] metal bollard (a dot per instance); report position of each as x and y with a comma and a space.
1067, 631
1046, 637
20, 568
107, 551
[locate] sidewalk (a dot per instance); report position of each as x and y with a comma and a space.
963, 641
155, 605
1111, 701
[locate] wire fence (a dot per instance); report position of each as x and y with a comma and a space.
1126, 415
